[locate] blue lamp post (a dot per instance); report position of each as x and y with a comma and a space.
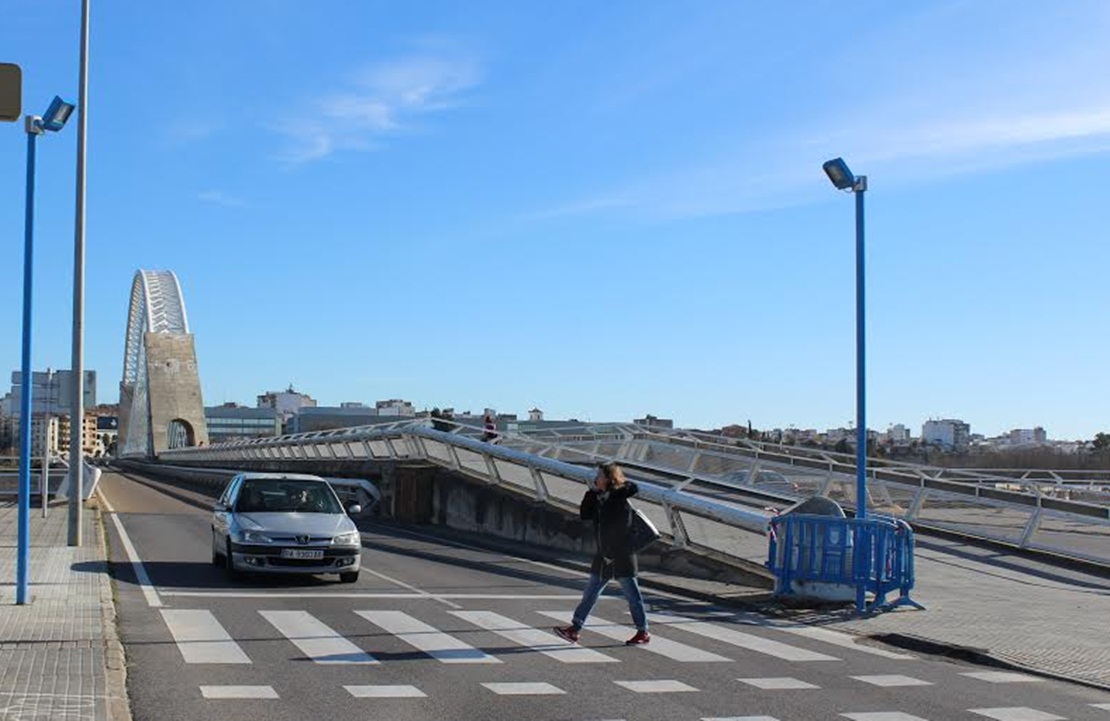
53, 120
843, 179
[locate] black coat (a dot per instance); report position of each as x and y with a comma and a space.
611, 513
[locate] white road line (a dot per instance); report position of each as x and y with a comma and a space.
356, 594
201, 638
671, 649
741, 718
104, 500
882, 716
410, 587
385, 691
1103, 706
1016, 713
425, 638
141, 576
524, 689
315, 639
546, 643
659, 686
1002, 677
739, 638
891, 680
226, 692
781, 683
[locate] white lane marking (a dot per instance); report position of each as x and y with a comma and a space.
356, 594
739, 638
659, 686
385, 691
223, 692
838, 638
414, 589
524, 689
882, 716
104, 499
141, 576
741, 718
546, 643
1103, 706
891, 680
664, 647
201, 638
1016, 713
315, 639
1002, 677
425, 638
779, 683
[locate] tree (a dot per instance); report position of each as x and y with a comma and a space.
1101, 442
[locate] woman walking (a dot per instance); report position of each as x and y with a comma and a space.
606, 504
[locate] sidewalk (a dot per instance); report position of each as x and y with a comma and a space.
60, 657
996, 605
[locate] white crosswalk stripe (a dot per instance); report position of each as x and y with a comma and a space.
233, 692
546, 643
735, 637
882, 716
423, 637
385, 691
664, 647
315, 639
1016, 713
524, 689
201, 638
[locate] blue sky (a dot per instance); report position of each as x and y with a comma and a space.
603, 209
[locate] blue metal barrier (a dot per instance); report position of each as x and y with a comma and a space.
826, 557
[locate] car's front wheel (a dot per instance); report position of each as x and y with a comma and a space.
217, 559
348, 576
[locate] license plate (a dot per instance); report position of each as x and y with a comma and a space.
301, 553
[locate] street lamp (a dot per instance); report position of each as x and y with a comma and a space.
843, 179
54, 120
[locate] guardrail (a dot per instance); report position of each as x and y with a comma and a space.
1001, 508
725, 530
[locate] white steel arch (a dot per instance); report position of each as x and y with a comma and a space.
157, 306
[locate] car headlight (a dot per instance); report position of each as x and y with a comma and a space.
256, 537
347, 539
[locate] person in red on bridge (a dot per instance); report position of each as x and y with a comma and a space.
490, 429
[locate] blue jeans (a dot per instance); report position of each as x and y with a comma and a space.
596, 585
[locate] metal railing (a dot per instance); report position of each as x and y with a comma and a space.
1032, 512
724, 529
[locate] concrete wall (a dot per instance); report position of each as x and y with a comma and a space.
171, 368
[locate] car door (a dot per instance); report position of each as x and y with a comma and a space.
221, 512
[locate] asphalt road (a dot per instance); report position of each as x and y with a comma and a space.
436, 630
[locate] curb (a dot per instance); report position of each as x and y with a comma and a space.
118, 703
979, 656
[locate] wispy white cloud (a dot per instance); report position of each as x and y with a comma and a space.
384, 99
928, 111
220, 198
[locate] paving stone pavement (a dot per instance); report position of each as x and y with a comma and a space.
60, 656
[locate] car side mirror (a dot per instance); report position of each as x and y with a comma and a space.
354, 509
219, 507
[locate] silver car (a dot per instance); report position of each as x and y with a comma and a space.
284, 523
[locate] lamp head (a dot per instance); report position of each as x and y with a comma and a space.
839, 174
55, 117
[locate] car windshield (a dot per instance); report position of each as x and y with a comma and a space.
267, 496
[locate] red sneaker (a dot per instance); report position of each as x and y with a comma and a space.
639, 639
567, 633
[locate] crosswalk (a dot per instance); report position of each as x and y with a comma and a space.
202, 639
